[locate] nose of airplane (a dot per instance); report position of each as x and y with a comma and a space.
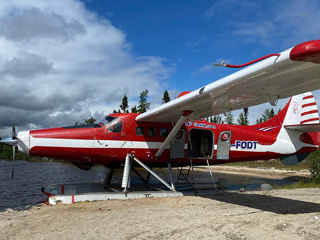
23, 142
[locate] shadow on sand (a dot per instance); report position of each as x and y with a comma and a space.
267, 203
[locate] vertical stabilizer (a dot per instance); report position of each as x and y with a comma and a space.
302, 110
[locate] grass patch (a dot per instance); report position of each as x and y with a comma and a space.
300, 184
274, 163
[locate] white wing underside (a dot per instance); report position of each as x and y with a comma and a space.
266, 81
305, 128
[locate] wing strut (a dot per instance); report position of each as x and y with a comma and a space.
182, 119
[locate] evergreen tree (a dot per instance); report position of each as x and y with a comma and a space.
267, 114
229, 118
124, 106
243, 117
216, 119
259, 120
143, 103
241, 120
89, 121
166, 97
134, 109
271, 113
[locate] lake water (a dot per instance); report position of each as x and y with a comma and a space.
29, 177
25, 188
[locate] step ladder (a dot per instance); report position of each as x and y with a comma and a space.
183, 174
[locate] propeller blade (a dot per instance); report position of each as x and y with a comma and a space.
14, 134
13, 157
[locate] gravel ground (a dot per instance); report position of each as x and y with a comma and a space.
276, 214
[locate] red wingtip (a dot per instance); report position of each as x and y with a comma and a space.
306, 52
183, 93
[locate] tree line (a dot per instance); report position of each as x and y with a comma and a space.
229, 117
143, 103
243, 117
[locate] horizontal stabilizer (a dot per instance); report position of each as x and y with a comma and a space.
305, 127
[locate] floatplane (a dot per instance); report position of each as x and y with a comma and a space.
176, 134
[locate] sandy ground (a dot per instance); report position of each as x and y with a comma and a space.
276, 214
261, 172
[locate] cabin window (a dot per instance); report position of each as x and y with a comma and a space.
139, 131
152, 131
116, 127
164, 132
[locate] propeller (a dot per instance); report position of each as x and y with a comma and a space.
13, 157
14, 137
12, 141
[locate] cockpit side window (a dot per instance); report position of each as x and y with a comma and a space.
116, 127
107, 119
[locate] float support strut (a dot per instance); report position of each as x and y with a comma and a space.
170, 175
153, 173
126, 174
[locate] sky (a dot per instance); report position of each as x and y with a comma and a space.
63, 61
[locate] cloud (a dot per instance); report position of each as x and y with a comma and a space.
33, 24
280, 23
27, 65
61, 63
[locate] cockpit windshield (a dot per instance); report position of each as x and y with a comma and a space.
107, 119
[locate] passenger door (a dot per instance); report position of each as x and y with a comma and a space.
177, 145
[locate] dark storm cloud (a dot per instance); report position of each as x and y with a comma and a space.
41, 119
22, 96
32, 24
62, 63
27, 65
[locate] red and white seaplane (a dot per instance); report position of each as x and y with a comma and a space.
174, 133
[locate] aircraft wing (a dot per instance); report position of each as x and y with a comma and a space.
294, 71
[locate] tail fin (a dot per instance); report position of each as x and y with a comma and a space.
297, 123
302, 110
300, 113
